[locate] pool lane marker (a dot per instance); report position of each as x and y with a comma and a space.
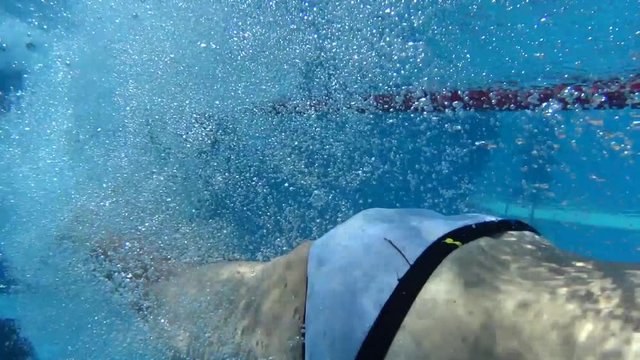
571, 216
613, 93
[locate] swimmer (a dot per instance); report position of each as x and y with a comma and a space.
408, 283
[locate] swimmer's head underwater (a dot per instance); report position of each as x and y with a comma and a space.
484, 288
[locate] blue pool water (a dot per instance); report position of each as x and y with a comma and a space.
149, 120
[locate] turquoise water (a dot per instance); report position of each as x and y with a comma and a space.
151, 120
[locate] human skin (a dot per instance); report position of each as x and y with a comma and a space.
514, 296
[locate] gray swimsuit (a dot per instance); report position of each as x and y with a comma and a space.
354, 268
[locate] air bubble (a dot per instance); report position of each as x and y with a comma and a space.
551, 108
597, 99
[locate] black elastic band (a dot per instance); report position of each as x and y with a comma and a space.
303, 331
384, 329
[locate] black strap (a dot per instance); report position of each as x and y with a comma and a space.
384, 328
303, 331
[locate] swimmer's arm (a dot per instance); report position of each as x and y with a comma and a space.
252, 309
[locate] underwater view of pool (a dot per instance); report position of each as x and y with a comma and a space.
236, 129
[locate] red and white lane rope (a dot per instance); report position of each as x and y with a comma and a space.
615, 93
